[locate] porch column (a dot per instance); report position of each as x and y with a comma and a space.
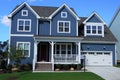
35, 54
52, 54
79, 51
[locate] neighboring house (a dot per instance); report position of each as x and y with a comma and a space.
57, 35
114, 27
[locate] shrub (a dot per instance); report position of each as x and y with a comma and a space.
65, 67
26, 67
58, 66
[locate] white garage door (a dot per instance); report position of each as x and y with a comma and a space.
98, 58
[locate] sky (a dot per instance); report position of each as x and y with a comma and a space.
84, 8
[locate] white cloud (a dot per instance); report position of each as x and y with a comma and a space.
4, 20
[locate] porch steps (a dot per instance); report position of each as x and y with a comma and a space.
43, 67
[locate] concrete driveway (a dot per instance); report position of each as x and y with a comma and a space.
108, 73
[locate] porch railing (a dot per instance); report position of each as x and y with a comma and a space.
63, 58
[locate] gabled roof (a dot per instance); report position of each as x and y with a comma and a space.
94, 14
19, 7
64, 5
114, 17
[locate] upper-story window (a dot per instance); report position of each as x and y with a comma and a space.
94, 29
24, 25
63, 14
63, 27
24, 12
25, 47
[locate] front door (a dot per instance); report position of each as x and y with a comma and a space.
43, 52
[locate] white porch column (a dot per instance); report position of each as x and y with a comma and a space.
35, 54
79, 51
52, 54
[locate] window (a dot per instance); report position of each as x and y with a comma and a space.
25, 46
63, 14
24, 25
24, 12
63, 26
94, 29
88, 29
99, 29
65, 49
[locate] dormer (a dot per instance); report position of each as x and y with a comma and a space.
94, 25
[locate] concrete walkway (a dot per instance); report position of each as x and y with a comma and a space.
108, 73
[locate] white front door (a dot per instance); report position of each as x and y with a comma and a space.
98, 58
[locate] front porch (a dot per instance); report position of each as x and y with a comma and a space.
49, 52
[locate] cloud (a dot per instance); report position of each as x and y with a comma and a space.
4, 20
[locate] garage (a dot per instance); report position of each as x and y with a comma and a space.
98, 58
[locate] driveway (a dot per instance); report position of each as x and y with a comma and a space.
108, 73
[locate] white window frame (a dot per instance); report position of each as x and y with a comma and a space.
23, 25
62, 14
91, 33
26, 11
66, 44
63, 27
23, 49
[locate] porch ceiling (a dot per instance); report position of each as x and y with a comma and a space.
57, 39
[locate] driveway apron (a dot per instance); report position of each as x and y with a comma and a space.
108, 73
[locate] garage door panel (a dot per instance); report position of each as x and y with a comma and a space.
99, 58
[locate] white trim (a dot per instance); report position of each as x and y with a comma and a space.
37, 27
62, 14
22, 35
9, 41
23, 25
66, 8
96, 51
76, 28
105, 42
115, 55
22, 13
50, 26
91, 33
94, 13
23, 46
64, 26
52, 54
18, 8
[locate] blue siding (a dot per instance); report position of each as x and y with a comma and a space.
44, 28
14, 41
18, 16
94, 18
99, 47
70, 18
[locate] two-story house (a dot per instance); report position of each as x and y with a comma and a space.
57, 35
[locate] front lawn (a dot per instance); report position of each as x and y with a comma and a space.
50, 76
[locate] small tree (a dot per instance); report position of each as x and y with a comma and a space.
16, 55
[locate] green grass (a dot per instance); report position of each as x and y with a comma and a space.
51, 76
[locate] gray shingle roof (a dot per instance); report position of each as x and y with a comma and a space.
45, 11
